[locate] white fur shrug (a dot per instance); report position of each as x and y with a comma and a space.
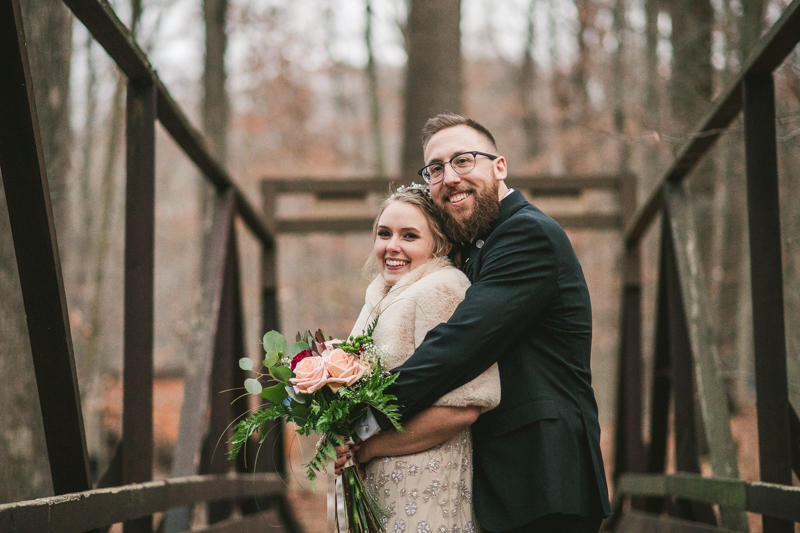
420, 300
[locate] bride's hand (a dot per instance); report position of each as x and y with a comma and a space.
345, 454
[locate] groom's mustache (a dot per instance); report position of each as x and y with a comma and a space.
451, 191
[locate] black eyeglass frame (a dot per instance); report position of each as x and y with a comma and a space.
474, 153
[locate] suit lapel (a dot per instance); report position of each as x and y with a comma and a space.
508, 206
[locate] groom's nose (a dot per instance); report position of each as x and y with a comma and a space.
450, 177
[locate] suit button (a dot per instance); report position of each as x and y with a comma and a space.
479, 243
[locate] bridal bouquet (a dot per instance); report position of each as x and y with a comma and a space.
324, 386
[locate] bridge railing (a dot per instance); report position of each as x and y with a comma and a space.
135, 496
685, 357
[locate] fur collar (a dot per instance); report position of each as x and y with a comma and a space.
379, 294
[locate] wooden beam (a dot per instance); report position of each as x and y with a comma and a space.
701, 347
589, 221
36, 248
541, 185
82, 511
137, 385
117, 40
192, 425
770, 499
770, 52
766, 278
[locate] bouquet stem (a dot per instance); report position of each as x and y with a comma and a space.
364, 513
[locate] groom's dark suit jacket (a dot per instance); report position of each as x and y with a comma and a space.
528, 309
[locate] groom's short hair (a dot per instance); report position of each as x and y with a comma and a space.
442, 121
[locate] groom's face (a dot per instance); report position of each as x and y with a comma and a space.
469, 201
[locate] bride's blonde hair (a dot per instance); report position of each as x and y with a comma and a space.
419, 197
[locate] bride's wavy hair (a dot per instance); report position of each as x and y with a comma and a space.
419, 197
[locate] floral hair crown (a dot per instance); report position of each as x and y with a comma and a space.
414, 187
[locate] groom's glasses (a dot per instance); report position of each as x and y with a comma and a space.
460, 163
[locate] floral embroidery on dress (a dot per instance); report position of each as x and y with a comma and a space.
433, 487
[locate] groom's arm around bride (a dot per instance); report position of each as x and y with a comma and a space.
537, 456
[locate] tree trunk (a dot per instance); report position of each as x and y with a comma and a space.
24, 467
374, 97
433, 73
531, 124
691, 91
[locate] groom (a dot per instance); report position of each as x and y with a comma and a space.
537, 460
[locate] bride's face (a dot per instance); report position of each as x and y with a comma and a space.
403, 241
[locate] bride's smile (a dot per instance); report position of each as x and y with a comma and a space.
403, 241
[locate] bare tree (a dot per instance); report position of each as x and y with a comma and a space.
23, 465
691, 91
531, 123
374, 96
433, 73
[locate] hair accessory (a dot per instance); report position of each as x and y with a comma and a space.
414, 187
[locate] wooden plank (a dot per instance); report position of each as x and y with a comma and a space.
629, 453
590, 221
728, 492
683, 387
700, 345
777, 501
35, 244
221, 395
660, 395
192, 425
137, 384
636, 522
352, 187
254, 523
766, 279
768, 54
82, 511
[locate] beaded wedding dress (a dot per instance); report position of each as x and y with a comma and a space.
429, 491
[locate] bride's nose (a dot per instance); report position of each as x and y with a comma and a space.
393, 245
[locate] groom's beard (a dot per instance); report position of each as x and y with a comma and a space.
463, 227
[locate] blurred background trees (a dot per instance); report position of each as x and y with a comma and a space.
340, 89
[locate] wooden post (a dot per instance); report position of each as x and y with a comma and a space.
766, 278
274, 461
137, 412
214, 457
629, 447
686, 456
192, 425
36, 248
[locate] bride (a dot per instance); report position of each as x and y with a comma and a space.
422, 477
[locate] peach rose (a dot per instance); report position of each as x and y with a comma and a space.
329, 344
343, 368
310, 374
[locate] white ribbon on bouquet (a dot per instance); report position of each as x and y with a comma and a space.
337, 504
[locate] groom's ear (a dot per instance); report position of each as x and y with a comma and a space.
500, 169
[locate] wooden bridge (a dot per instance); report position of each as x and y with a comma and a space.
645, 497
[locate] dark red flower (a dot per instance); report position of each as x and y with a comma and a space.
299, 357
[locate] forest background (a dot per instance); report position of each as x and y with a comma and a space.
334, 89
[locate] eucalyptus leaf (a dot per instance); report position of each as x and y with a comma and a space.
293, 395
253, 386
296, 348
245, 363
274, 342
276, 394
271, 359
281, 373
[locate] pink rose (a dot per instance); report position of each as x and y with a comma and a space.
329, 344
310, 374
343, 368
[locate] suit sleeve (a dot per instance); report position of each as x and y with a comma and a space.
516, 283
